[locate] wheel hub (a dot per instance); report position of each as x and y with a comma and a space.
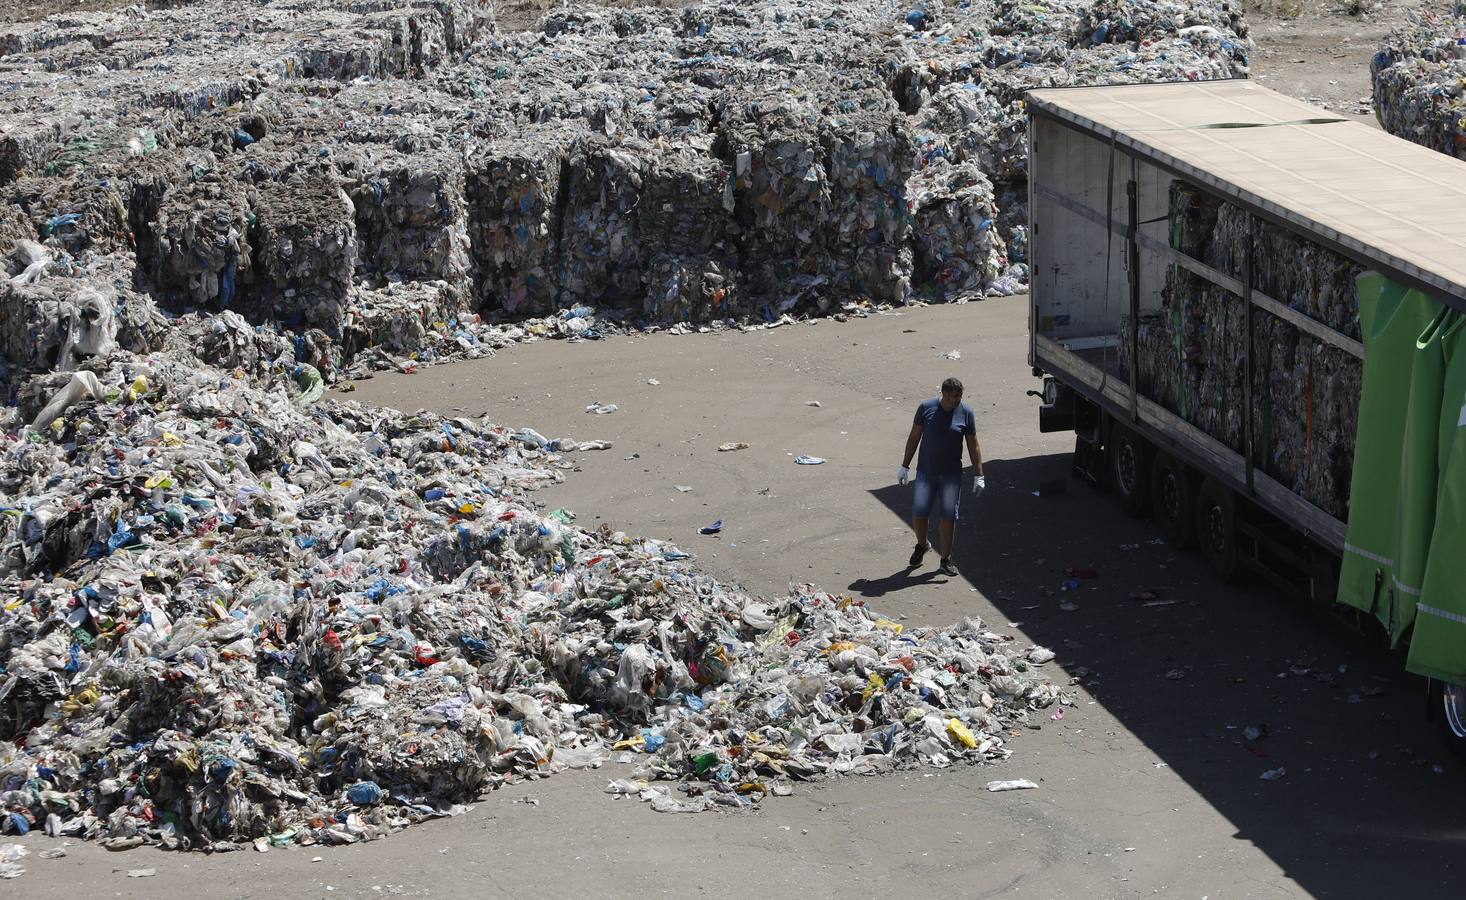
1216, 528
1171, 496
1127, 467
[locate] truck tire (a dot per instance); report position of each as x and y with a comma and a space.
1173, 498
1449, 701
1127, 453
1216, 529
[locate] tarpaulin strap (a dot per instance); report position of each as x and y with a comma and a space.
1440, 613
1404, 588
1215, 125
1372, 557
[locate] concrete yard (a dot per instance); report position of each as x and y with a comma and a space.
1147, 788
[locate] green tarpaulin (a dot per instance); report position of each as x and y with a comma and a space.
1438, 645
1391, 321
1407, 505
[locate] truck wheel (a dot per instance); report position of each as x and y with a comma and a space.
1128, 470
1216, 529
1173, 498
1452, 714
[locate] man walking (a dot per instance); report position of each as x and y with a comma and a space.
940, 427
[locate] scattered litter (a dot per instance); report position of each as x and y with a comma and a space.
1175, 674
809, 460
1040, 655
711, 529
1273, 774
731, 446
653, 382
53, 853
683, 488
814, 403
1068, 606
141, 873
951, 354
10, 857
1017, 784
601, 409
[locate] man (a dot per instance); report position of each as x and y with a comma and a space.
940, 427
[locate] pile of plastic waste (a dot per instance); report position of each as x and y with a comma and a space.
393, 174
1417, 76
236, 612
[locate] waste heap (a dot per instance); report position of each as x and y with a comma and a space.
1305, 392
1417, 76
240, 614
307, 165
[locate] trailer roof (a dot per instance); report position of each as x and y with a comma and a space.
1396, 204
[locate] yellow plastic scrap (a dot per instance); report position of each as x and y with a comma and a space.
160, 480
839, 647
172, 440
87, 696
138, 388
960, 734
893, 627
753, 787
467, 509
779, 633
631, 743
874, 685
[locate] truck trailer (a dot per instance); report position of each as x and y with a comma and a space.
1252, 314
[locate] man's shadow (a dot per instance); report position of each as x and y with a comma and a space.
898, 581
1008, 499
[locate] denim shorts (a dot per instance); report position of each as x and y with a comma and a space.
943, 490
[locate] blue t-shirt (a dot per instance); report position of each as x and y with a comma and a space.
942, 434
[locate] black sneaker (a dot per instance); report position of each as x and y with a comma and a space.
917, 555
948, 567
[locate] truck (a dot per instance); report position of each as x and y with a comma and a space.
1251, 312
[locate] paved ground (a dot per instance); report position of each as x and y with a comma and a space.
1145, 762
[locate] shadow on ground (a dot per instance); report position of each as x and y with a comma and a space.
1369, 801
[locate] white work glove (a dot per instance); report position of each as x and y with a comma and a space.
902, 475
979, 484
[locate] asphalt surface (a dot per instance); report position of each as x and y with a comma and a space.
1147, 788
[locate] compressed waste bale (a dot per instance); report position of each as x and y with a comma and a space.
200, 253
1305, 392
76, 213
682, 208
69, 314
406, 318
600, 254
870, 158
1416, 76
958, 249
305, 251
780, 188
411, 216
515, 214
691, 289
